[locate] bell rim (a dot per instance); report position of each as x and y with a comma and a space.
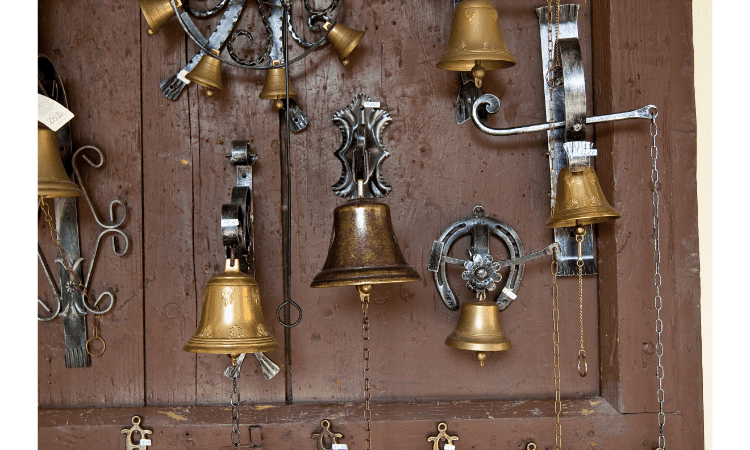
355, 277
58, 189
222, 346
587, 215
453, 342
456, 63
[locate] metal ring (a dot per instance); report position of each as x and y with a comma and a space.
278, 314
104, 346
582, 357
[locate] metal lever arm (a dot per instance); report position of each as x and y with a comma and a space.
548, 250
492, 105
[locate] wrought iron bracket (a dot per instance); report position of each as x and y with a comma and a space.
481, 271
569, 102
237, 215
70, 302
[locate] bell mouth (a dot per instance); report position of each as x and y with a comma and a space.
218, 346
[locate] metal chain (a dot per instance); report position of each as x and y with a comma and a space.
364, 295
556, 352
234, 400
659, 350
581, 363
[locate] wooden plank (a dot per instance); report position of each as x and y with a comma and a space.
169, 289
95, 50
587, 423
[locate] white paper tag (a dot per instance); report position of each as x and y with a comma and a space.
51, 113
449, 447
339, 447
371, 104
181, 76
145, 442
509, 293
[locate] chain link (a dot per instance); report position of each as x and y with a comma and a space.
234, 400
659, 325
364, 295
556, 352
581, 363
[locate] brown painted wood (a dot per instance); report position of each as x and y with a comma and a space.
95, 50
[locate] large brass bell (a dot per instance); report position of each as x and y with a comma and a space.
343, 39
157, 12
476, 42
364, 249
207, 73
275, 86
53, 181
479, 329
232, 319
579, 200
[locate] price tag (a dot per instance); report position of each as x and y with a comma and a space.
145, 441
339, 447
181, 76
449, 447
51, 113
510, 295
371, 104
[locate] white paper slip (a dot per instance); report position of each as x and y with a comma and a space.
449, 447
145, 442
339, 447
52, 114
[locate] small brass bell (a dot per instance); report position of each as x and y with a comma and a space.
53, 181
364, 249
157, 12
476, 42
479, 329
343, 39
207, 73
579, 200
275, 86
232, 319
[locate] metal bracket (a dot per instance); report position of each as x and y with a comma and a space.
481, 272
362, 151
136, 428
570, 103
71, 305
237, 216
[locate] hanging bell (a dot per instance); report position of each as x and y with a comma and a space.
207, 73
275, 86
343, 39
157, 12
479, 329
53, 181
579, 200
476, 43
232, 319
364, 249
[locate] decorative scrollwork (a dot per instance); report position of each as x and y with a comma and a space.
207, 13
247, 34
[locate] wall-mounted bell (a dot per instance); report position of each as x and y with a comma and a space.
476, 43
343, 39
157, 12
232, 319
53, 181
207, 73
364, 249
579, 200
275, 86
479, 329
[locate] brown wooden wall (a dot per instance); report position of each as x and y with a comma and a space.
166, 161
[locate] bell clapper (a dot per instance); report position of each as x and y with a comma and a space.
209, 93
478, 73
481, 356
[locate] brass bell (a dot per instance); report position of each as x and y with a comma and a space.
343, 39
476, 43
275, 86
579, 200
53, 181
232, 319
207, 73
157, 12
479, 329
364, 249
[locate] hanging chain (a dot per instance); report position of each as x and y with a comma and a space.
581, 363
364, 295
75, 279
556, 352
234, 400
657, 278
551, 86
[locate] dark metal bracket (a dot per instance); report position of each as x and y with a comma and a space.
237, 215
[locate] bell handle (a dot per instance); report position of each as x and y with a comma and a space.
492, 105
548, 250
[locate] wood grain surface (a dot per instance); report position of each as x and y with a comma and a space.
167, 161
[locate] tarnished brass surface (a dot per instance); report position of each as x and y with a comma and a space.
275, 86
479, 329
157, 12
579, 200
52, 181
364, 249
476, 36
343, 39
207, 72
232, 318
